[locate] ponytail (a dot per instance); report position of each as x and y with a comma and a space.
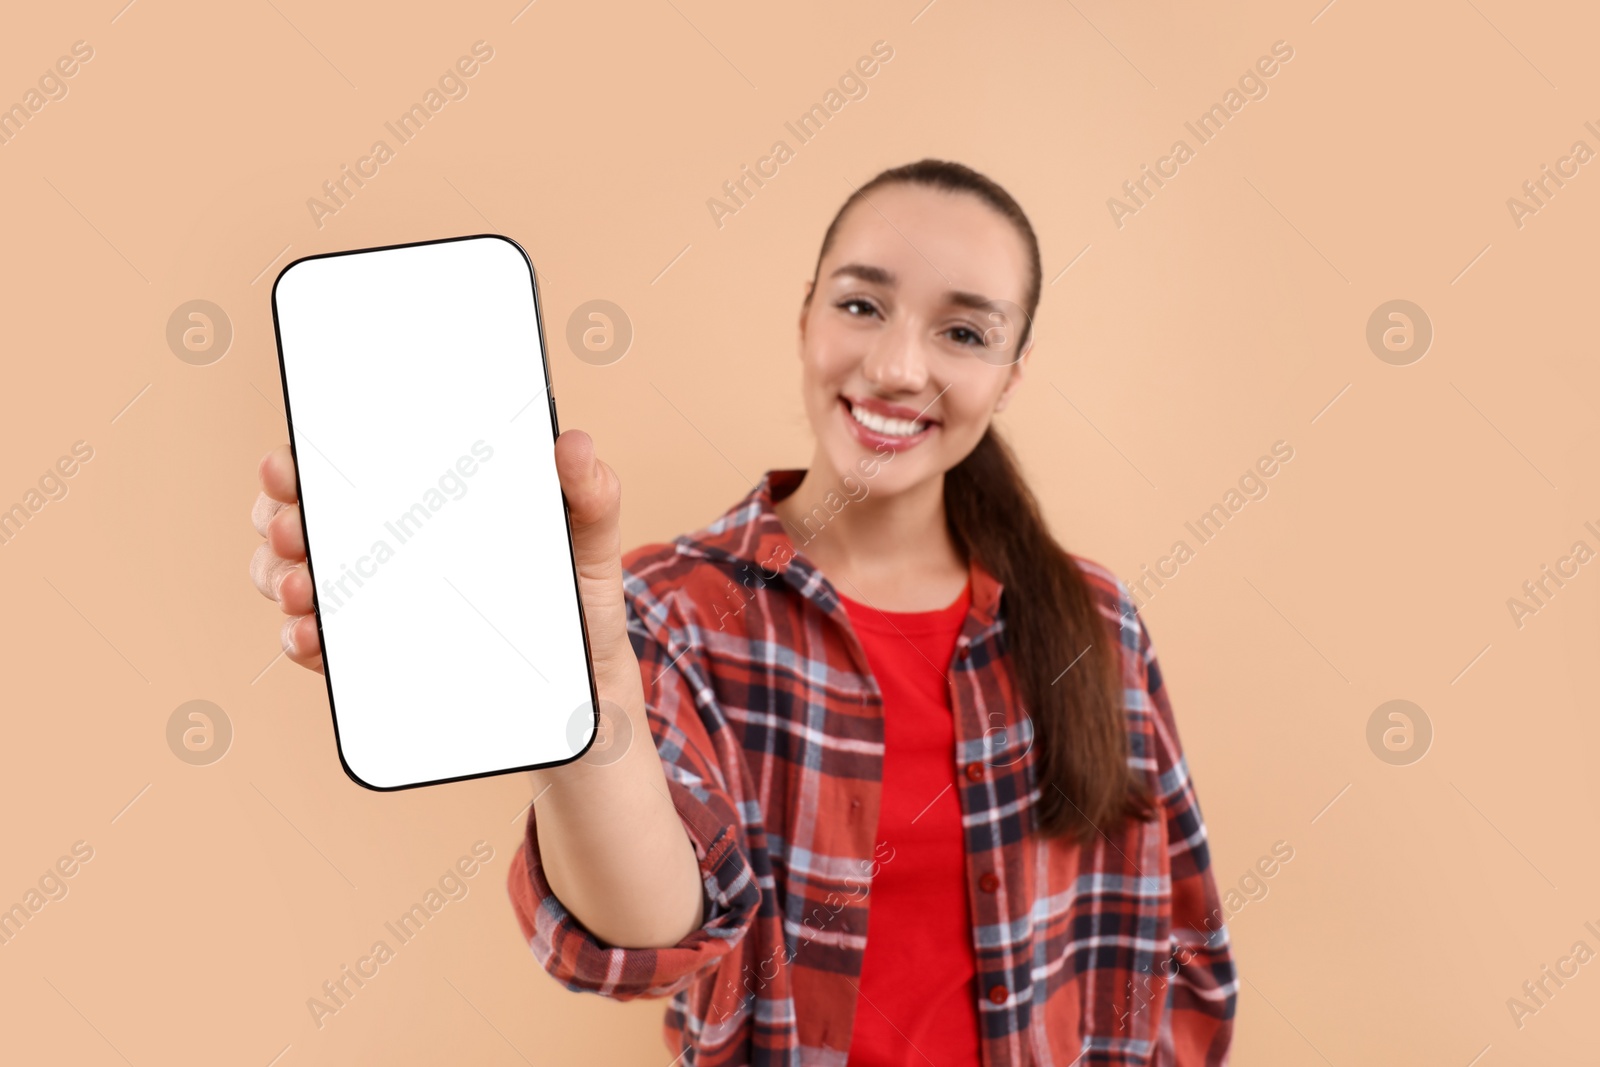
1080, 731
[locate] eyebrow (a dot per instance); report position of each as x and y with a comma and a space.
879, 276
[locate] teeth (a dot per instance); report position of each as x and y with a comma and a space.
880, 424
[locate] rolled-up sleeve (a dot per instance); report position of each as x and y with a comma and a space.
700, 757
1202, 991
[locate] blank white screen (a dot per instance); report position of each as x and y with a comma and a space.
437, 537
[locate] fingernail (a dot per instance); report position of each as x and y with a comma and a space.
287, 636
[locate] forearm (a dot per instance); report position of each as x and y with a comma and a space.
612, 844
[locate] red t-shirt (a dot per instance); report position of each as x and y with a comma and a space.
918, 993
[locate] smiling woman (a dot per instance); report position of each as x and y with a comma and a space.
850, 707
924, 675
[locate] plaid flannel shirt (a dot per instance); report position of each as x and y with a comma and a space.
769, 724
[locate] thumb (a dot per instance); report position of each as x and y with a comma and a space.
594, 503
594, 500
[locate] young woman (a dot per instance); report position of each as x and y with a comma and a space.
915, 793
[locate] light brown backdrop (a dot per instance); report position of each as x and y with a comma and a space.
1228, 313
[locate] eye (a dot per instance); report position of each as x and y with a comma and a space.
854, 302
965, 335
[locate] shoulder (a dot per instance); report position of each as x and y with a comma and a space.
1154, 747
1117, 607
661, 565
1114, 600
668, 583
1103, 582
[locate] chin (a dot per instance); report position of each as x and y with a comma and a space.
885, 472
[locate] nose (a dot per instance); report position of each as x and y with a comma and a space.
897, 362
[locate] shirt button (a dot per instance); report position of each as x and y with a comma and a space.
975, 772
966, 650
989, 882
998, 994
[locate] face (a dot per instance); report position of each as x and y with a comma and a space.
909, 342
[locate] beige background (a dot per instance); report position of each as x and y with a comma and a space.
1228, 313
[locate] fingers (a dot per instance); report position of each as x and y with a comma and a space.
276, 568
285, 535
277, 475
301, 643
287, 582
267, 569
276, 518
263, 511
294, 591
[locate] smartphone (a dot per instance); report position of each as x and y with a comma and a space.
422, 422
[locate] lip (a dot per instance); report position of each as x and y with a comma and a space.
877, 441
886, 409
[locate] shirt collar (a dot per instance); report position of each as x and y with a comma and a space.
751, 534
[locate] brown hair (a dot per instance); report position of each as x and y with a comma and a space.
1080, 732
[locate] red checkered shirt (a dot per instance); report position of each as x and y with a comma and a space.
770, 727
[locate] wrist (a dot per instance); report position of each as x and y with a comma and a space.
620, 682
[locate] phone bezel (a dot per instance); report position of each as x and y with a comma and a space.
555, 431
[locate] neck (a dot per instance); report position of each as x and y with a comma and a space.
893, 551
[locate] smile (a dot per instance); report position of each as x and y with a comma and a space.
877, 424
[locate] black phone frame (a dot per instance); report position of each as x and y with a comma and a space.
555, 431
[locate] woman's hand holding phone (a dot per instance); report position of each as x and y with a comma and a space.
608, 832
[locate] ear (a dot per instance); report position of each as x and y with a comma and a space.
805, 308
1017, 371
